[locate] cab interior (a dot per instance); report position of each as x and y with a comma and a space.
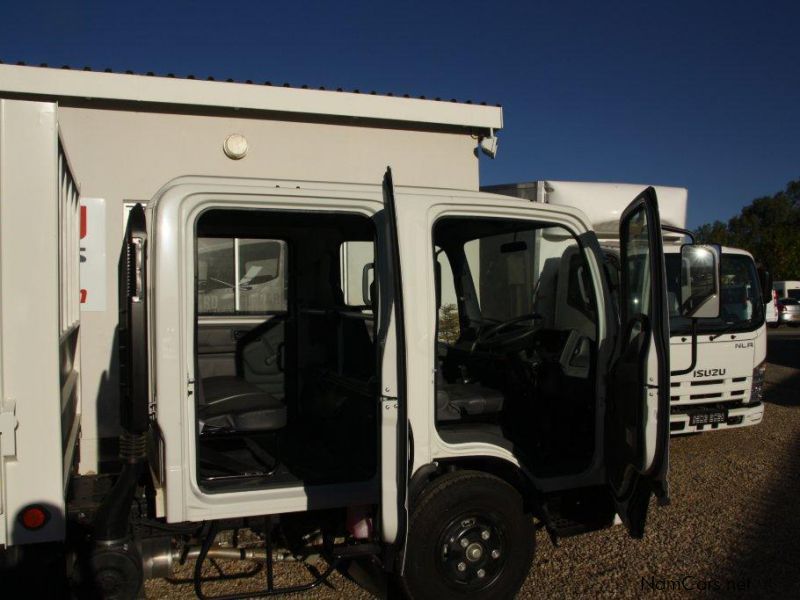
285, 357
516, 345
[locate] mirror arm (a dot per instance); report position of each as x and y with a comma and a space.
693, 362
685, 232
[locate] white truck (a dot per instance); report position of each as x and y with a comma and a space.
350, 432
718, 382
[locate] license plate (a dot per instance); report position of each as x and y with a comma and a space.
709, 418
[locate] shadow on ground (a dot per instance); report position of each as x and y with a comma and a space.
766, 560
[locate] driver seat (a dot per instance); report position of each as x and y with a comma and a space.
454, 401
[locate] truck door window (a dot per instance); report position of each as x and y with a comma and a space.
449, 328
240, 276
638, 252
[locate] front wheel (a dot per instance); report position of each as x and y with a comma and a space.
468, 536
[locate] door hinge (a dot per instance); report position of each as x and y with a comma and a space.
388, 403
8, 427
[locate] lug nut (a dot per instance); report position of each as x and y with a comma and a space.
481, 573
464, 542
462, 566
495, 553
485, 534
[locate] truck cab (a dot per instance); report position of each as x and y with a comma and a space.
723, 389
395, 428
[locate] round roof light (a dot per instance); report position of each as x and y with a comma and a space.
235, 146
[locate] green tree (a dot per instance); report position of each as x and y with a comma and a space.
449, 328
713, 233
768, 228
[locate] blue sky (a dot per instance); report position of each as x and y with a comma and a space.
704, 95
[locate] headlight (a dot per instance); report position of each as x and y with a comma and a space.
757, 389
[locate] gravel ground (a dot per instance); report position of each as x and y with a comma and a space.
732, 527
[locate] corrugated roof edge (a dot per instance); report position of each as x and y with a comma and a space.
128, 86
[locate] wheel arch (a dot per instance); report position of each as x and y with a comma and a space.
502, 469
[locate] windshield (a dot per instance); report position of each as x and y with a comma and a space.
795, 294
740, 304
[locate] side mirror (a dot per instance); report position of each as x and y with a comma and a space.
765, 279
700, 281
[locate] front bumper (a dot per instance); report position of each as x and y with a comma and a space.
743, 416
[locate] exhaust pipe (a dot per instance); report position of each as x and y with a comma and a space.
159, 555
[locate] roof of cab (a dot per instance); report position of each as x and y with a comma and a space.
89, 85
251, 186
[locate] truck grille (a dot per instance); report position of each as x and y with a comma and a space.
724, 393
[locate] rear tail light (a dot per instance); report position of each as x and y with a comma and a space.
34, 517
757, 388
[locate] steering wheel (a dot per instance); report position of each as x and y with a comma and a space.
495, 336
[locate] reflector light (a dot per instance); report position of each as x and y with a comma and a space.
34, 517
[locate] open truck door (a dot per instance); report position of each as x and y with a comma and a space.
637, 418
392, 364
111, 529
132, 328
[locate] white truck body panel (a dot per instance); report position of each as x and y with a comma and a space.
39, 319
603, 203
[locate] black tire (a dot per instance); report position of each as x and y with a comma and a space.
467, 505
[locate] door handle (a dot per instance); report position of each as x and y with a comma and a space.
281, 357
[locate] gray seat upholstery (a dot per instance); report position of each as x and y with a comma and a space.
457, 400
234, 404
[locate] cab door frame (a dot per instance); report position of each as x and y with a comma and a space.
393, 418
175, 210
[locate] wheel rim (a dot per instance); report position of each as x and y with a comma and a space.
472, 552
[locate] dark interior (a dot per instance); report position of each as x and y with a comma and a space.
516, 341
287, 385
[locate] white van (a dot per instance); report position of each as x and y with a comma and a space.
787, 289
772, 316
